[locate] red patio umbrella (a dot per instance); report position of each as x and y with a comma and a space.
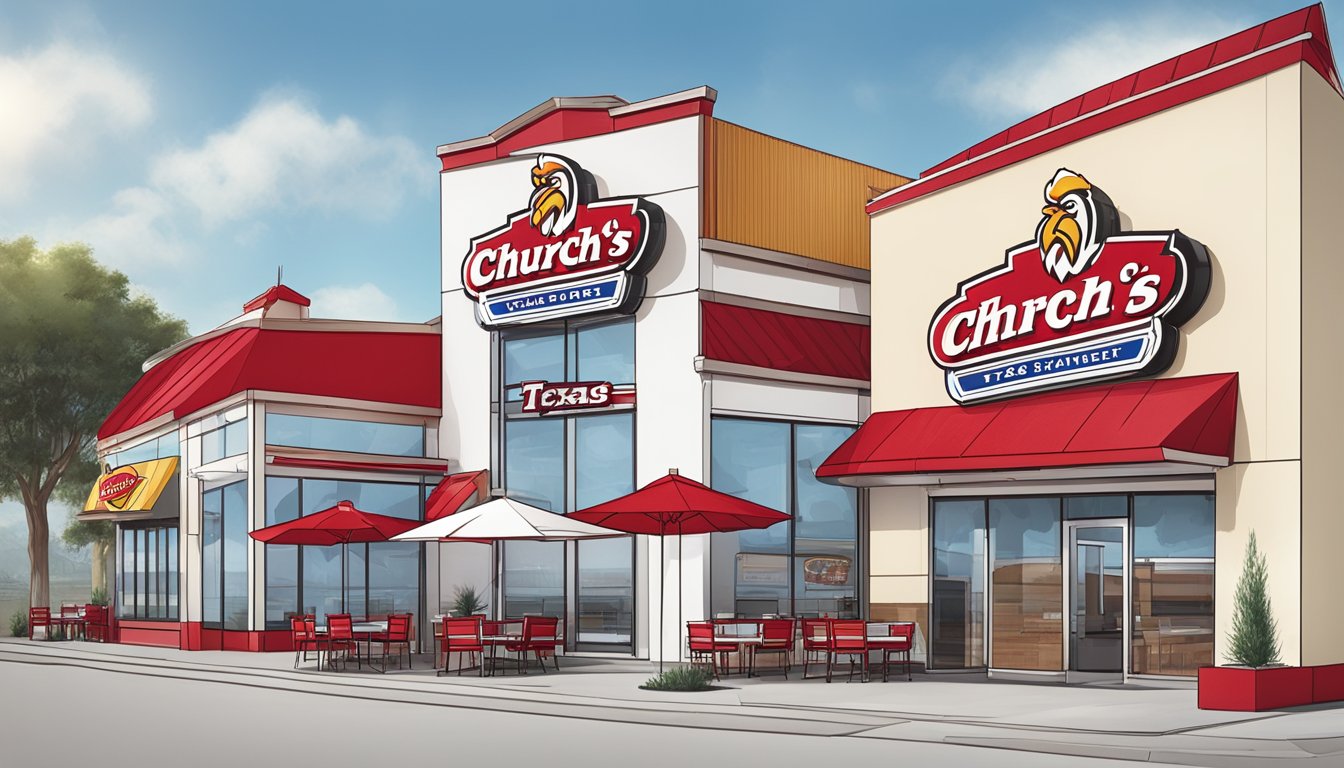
342, 524
676, 504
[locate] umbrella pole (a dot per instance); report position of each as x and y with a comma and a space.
345, 573
662, 590
681, 563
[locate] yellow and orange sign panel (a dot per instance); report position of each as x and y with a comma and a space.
131, 488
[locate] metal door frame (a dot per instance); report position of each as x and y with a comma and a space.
1071, 543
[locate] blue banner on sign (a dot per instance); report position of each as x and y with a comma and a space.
523, 303
1100, 356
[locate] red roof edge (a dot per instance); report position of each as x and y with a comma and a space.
277, 293
1300, 36
565, 119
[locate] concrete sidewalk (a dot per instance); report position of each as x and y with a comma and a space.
1123, 722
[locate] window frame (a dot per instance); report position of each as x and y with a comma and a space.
140, 588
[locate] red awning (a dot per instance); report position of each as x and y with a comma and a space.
783, 342
1179, 422
454, 491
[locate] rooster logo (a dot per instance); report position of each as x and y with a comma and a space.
1076, 220
555, 197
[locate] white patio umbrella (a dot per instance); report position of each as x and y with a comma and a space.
505, 519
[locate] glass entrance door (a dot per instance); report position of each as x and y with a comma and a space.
1096, 584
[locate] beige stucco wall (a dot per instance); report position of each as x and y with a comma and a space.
1226, 170
1322, 372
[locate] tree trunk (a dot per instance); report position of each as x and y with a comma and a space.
100, 552
39, 541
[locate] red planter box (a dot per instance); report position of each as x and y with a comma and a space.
1240, 689
1327, 683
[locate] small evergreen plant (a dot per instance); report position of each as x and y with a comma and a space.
1254, 641
18, 624
680, 678
468, 601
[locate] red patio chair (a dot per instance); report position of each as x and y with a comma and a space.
303, 632
849, 638
776, 638
462, 635
816, 639
95, 623
703, 645
341, 637
539, 635
39, 616
905, 631
398, 635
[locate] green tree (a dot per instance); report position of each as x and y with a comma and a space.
72, 339
1254, 641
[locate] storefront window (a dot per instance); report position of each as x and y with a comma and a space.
148, 578
345, 435
1171, 587
159, 448
228, 440
1172, 583
802, 567
378, 578
957, 613
224, 557
1026, 581
565, 462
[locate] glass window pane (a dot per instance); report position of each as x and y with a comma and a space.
212, 446
534, 462
534, 578
168, 445
957, 614
135, 454
282, 499
1173, 525
235, 556
393, 499
394, 577
1087, 507
322, 581
345, 435
1173, 618
606, 600
606, 353
604, 458
752, 570
1027, 584
235, 438
825, 530
534, 358
173, 574
212, 522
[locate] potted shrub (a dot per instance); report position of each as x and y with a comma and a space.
1255, 680
467, 601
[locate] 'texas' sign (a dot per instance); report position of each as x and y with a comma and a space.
1082, 302
566, 254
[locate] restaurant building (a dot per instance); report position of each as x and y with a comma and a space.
634, 287
270, 416
1105, 354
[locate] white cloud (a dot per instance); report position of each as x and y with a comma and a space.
1053, 67
137, 232
354, 302
61, 100
283, 155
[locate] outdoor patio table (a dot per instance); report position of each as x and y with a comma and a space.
358, 628
735, 631
67, 623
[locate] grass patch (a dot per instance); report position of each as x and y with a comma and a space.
680, 679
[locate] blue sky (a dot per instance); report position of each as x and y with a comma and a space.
197, 146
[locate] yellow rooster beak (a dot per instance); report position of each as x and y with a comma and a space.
1060, 227
547, 201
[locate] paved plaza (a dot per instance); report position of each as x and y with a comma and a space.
257, 708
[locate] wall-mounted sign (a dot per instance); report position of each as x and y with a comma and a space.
542, 397
1082, 302
131, 488
566, 254
826, 570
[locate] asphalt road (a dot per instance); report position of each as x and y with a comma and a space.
64, 716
